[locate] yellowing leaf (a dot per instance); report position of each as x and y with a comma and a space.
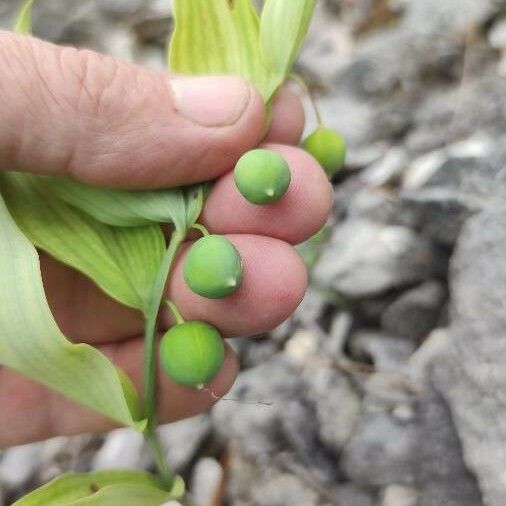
32, 344
217, 37
23, 24
108, 488
122, 261
283, 27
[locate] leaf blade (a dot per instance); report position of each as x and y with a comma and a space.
23, 24
218, 37
283, 27
92, 488
32, 344
123, 262
122, 208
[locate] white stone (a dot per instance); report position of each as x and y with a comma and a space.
422, 168
386, 170
399, 495
206, 482
123, 448
19, 464
181, 440
301, 345
497, 35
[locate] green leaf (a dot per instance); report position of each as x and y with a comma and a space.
125, 495
218, 37
283, 27
194, 196
122, 208
123, 262
108, 488
32, 344
311, 249
23, 24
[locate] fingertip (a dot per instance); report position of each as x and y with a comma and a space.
300, 213
222, 147
288, 118
274, 283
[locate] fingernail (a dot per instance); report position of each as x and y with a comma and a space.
211, 101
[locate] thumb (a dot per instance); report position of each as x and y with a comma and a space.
74, 112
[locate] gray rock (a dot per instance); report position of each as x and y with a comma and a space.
327, 46
442, 475
399, 495
283, 489
471, 375
254, 351
376, 204
381, 451
456, 190
352, 495
183, 439
277, 421
416, 312
311, 308
350, 116
161, 7
393, 393
396, 63
152, 28
364, 155
260, 421
455, 16
420, 363
365, 259
387, 353
338, 405
120, 8
78, 23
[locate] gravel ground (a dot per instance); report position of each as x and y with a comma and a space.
386, 386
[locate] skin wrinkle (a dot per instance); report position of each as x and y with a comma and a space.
9, 60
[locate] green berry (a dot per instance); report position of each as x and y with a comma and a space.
192, 353
213, 267
262, 176
328, 147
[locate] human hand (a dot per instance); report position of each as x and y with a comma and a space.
77, 113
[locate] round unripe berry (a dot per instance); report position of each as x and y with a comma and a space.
262, 176
192, 353
328, 147
213, 267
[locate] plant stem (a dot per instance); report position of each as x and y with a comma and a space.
203, 230
300, 81
150, 357
175, 312
155, 447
